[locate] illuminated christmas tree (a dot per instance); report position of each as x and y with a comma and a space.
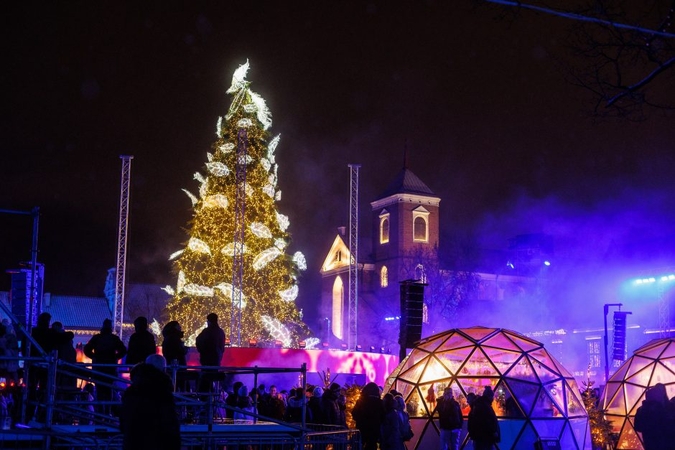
235, 262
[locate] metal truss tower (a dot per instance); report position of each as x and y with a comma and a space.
664, 311
239, 229
352, 334
118, 314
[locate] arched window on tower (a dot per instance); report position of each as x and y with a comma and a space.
384, 226
384, 277
420, 225
338, 307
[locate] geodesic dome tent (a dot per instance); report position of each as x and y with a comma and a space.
650, 364
535, 397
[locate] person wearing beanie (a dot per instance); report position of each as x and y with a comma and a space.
314, 404
330, 406
483, 426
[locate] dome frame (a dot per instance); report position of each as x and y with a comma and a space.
536, 398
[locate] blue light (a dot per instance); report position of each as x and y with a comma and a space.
547, 263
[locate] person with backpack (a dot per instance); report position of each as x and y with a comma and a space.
450, 420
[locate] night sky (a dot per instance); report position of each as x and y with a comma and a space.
480, 103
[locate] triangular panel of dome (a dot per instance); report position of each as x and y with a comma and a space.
656, 351
576, 434
629, 438
617, 404
435, 371
543, 371
452, 357
524, 343
662, 374
428, 401
477, 334
501, 340
414, 373
432, 343
454, 360
526, 439
525, 394
415, 403
403, 387
505, 404
612, 389
640, 370
455, 341
634, 397
523, 370
548, 428
574, 395
544, 407
620, 374
478, 363
573, 401
546, 359
502, 360
511, 430
556, 392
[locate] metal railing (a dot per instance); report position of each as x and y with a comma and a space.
68, 417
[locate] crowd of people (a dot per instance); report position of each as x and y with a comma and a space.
382, 420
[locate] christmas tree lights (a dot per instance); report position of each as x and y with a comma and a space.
205, 266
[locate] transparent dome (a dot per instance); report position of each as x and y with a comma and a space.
650, 364
535, 397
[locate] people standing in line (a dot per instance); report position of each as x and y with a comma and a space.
12, 350
482, 424
148, 418
655, 419
105, 348
141, 342
314, 405
175, 351
368, 413
450, 420
329, 405
211, 346
65, 352
44, 336
391, 437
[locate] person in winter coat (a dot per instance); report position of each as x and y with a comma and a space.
244, 403
314, 404
105, 348
148, 418
483, 425
368, 413
141, 342
655, 420
330, 406
296, 403
391, 437
449, 420
211, 346
175, 351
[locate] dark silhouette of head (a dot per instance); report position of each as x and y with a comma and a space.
44, 319
212, 319
107, 326
141, 323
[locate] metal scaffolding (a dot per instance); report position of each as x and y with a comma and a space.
352, 334
120, 267
239, 235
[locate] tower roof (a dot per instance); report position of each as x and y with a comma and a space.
406, 182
